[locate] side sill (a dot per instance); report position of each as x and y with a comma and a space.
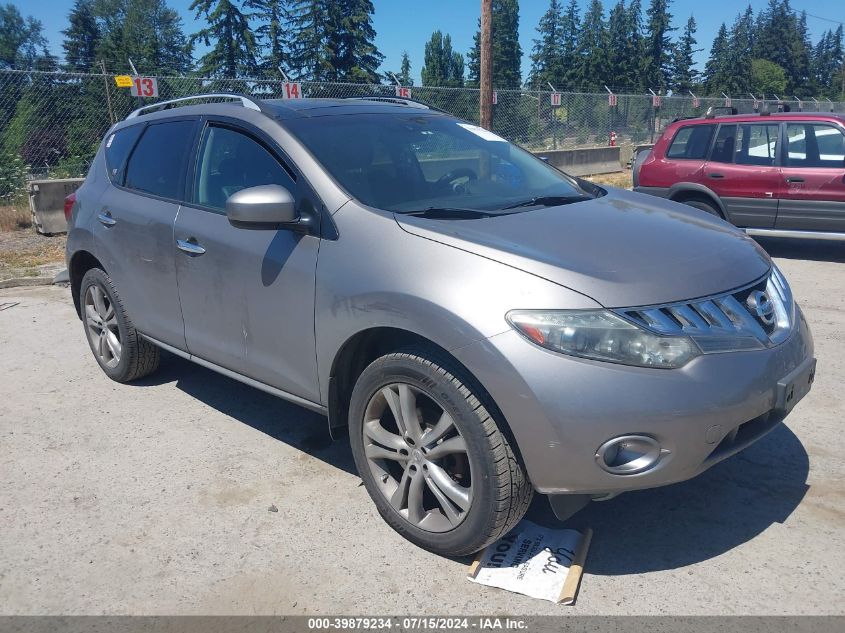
313, 406
807, 235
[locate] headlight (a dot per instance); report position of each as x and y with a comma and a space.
601, 335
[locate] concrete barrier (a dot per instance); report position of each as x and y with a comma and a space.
584, 161
47, 203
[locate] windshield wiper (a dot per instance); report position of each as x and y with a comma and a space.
451, 213
548, 201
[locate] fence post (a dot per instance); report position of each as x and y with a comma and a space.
108, 91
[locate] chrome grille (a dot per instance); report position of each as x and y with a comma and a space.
725, 322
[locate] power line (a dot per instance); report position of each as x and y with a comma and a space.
818, 17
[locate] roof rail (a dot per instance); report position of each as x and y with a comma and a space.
711, 111
247, 102
413, 103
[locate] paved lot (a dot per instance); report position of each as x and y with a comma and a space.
153, 498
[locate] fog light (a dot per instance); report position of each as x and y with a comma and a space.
628, 454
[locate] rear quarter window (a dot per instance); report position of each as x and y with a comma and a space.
691, 142
158, 162
118, 145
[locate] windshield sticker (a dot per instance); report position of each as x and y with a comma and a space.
487, 135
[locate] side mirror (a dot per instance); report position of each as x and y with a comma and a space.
261, 207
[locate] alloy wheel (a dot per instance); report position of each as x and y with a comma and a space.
418, 457
101, 326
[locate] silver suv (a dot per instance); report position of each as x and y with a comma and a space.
484, 325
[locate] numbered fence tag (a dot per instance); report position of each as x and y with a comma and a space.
495, 97
612, 100
403, 92
144, 87
696, 102
292, 90
656, 101
555, 98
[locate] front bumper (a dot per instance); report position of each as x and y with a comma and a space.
561, 409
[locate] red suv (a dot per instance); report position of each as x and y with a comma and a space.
774, 174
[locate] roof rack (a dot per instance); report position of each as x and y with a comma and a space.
711, 111
247, 102
413, 103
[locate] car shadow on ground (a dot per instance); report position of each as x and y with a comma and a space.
281, 420
815, 250
637, 532
693, 521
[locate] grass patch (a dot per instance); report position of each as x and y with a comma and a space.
13, 218
22, 252
622, 179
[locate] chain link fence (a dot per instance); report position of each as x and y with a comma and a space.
52, 122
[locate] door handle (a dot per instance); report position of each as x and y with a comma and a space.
794, 179
106, 219
715, 174
190, 246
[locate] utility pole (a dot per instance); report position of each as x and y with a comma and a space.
486, 65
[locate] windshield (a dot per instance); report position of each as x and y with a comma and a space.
411, 163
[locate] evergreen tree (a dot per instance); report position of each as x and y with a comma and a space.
737, 73
657, 52
570, 28
547, 56
684, 74
634, 46
618, 62
592, 48
716, 69
153, 38
272, 19
354, 56
82, 37
233, 48
405, 70
309, 25
507, 53
443, 66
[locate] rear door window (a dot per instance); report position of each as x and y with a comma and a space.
691, 142
814, 145
229, 161
118, 146
723, 148
157, 165
756, 144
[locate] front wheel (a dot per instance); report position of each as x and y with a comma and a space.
434, 461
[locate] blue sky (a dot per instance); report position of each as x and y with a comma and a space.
407, 25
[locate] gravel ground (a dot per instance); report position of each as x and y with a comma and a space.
154, 498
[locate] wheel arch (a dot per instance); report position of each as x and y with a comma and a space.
681, 191
365, 346
80, 263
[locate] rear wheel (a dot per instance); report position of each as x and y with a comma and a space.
434, 461
704, 204
117, 347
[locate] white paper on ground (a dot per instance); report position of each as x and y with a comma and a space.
530, 560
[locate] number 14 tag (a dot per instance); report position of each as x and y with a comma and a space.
291, 90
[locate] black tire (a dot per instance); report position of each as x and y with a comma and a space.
704, 205
138, 357
500, 489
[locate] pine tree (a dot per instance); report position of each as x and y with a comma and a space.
715, 71
153, 38
570, 28
507, 53
546, 56
684, 74
634, 47
619, 68
737, 72
22, 40
405, 70
309, 26
229, 34
354, 53
82, 37
592, 48
657, 54
272, 19
443, 66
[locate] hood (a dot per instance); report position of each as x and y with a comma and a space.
623, 249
